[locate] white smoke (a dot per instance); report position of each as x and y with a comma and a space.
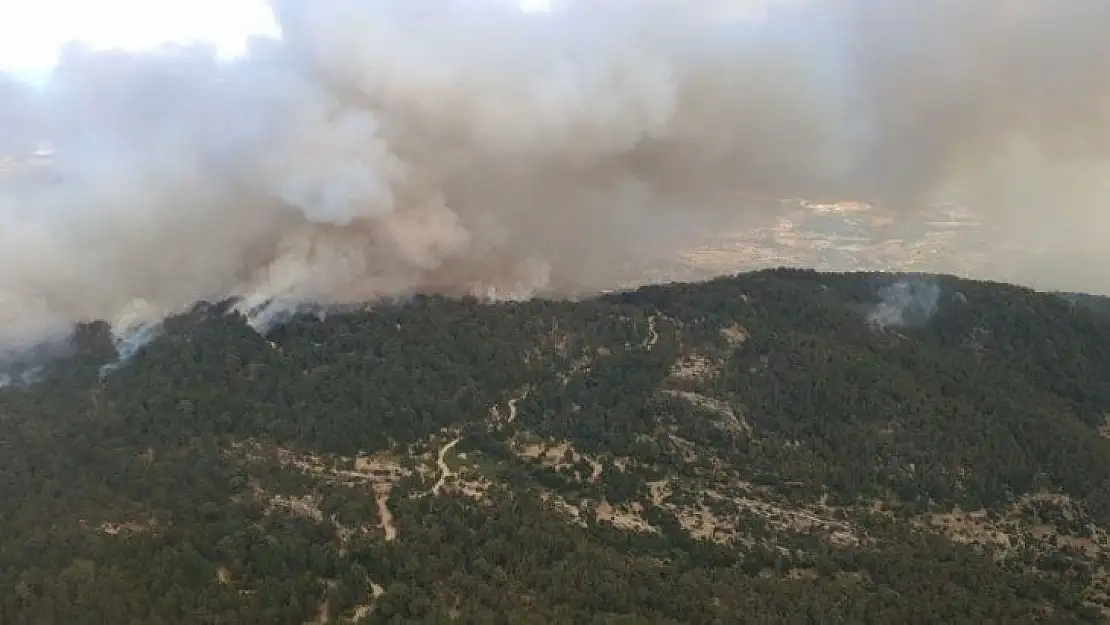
131, 331
380, 148
27, 377
907, 302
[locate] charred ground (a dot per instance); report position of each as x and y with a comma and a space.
748, 449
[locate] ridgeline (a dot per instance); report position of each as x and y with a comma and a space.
751, 449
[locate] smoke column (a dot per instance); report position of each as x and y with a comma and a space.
907, 302
382, 148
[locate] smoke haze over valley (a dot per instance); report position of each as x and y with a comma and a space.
561, 311
379, 149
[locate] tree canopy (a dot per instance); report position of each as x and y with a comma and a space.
751, 449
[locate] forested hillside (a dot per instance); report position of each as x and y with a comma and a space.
776, 447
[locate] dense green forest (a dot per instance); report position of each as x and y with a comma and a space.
752, 449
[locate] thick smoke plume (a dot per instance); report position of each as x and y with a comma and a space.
380, 148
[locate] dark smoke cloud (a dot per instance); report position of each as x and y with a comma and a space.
381, 148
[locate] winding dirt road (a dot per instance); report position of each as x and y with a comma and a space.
444, 470
382, 497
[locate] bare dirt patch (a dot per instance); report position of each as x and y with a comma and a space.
1023, 525
728, 421
381, 497
557, 455
305, 506
735, 335
626, 517
128, 527
695, 366
376, 472
342, 470
1104, 429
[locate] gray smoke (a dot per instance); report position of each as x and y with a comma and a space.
381, 148
131, 331
908, 302
27, 377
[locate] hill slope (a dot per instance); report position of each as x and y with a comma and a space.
750, 449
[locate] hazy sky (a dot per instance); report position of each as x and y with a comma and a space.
31, 33
381, 148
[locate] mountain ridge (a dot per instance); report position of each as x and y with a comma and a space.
752, 448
